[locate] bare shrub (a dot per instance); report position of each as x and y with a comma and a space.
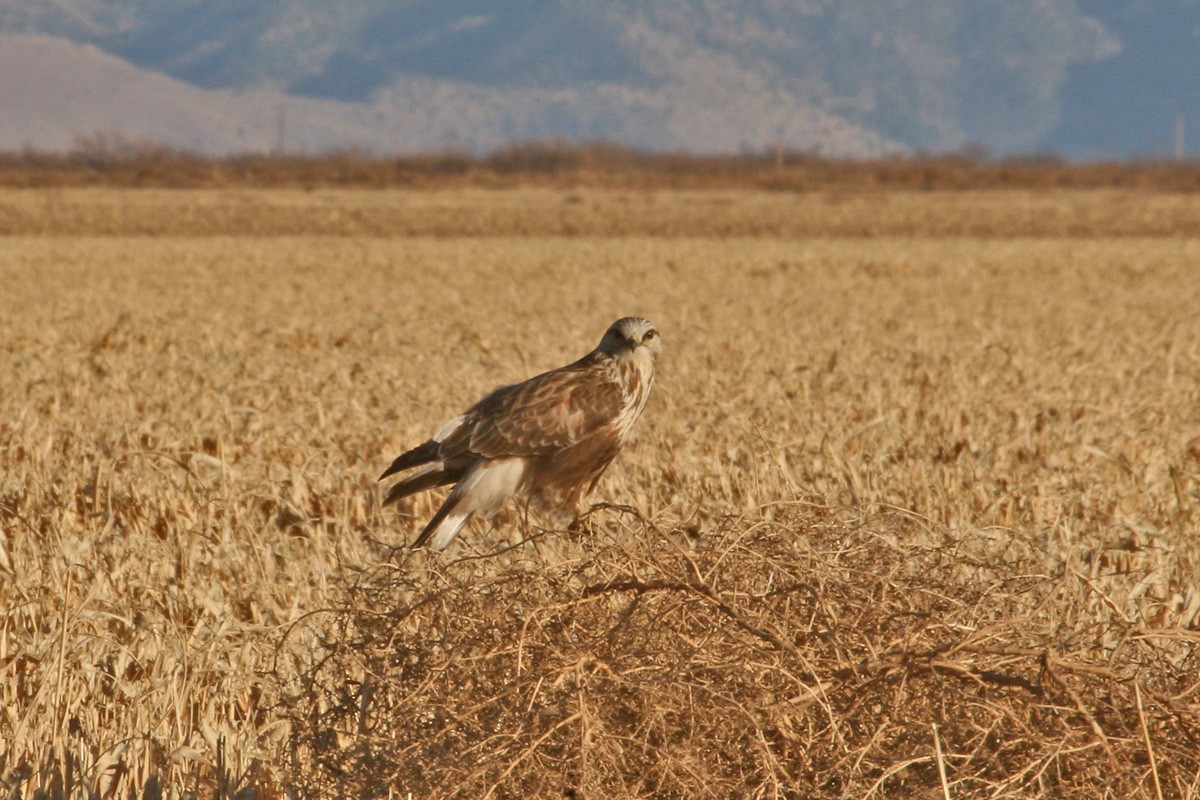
784, 659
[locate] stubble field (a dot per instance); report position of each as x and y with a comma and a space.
913, 511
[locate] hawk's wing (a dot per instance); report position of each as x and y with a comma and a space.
543, 415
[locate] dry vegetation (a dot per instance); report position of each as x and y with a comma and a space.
113, 161
913, 512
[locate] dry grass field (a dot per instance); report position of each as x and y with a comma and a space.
914, 511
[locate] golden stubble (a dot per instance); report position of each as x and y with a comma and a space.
197, 398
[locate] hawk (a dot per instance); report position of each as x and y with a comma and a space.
549, 438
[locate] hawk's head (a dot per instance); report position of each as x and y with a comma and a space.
631, 335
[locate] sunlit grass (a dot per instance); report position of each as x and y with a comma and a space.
196, 403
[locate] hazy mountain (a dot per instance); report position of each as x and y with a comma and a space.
57, 93
835, 76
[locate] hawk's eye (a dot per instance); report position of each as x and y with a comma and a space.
649, 336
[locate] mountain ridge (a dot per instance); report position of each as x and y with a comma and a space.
846, 78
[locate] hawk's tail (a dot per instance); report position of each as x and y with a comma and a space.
445, 525
484, 488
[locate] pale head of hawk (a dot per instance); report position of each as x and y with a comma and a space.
549, 438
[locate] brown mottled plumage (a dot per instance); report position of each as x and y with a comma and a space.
549, 438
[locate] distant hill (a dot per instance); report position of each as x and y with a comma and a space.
57, 93
840, 77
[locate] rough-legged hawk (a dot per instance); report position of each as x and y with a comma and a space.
549, 438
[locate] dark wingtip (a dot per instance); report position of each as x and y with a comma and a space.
421, 454
420, 482
395, 494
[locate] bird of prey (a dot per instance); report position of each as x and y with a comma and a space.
549, 438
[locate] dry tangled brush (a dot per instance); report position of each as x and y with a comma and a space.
780, 659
